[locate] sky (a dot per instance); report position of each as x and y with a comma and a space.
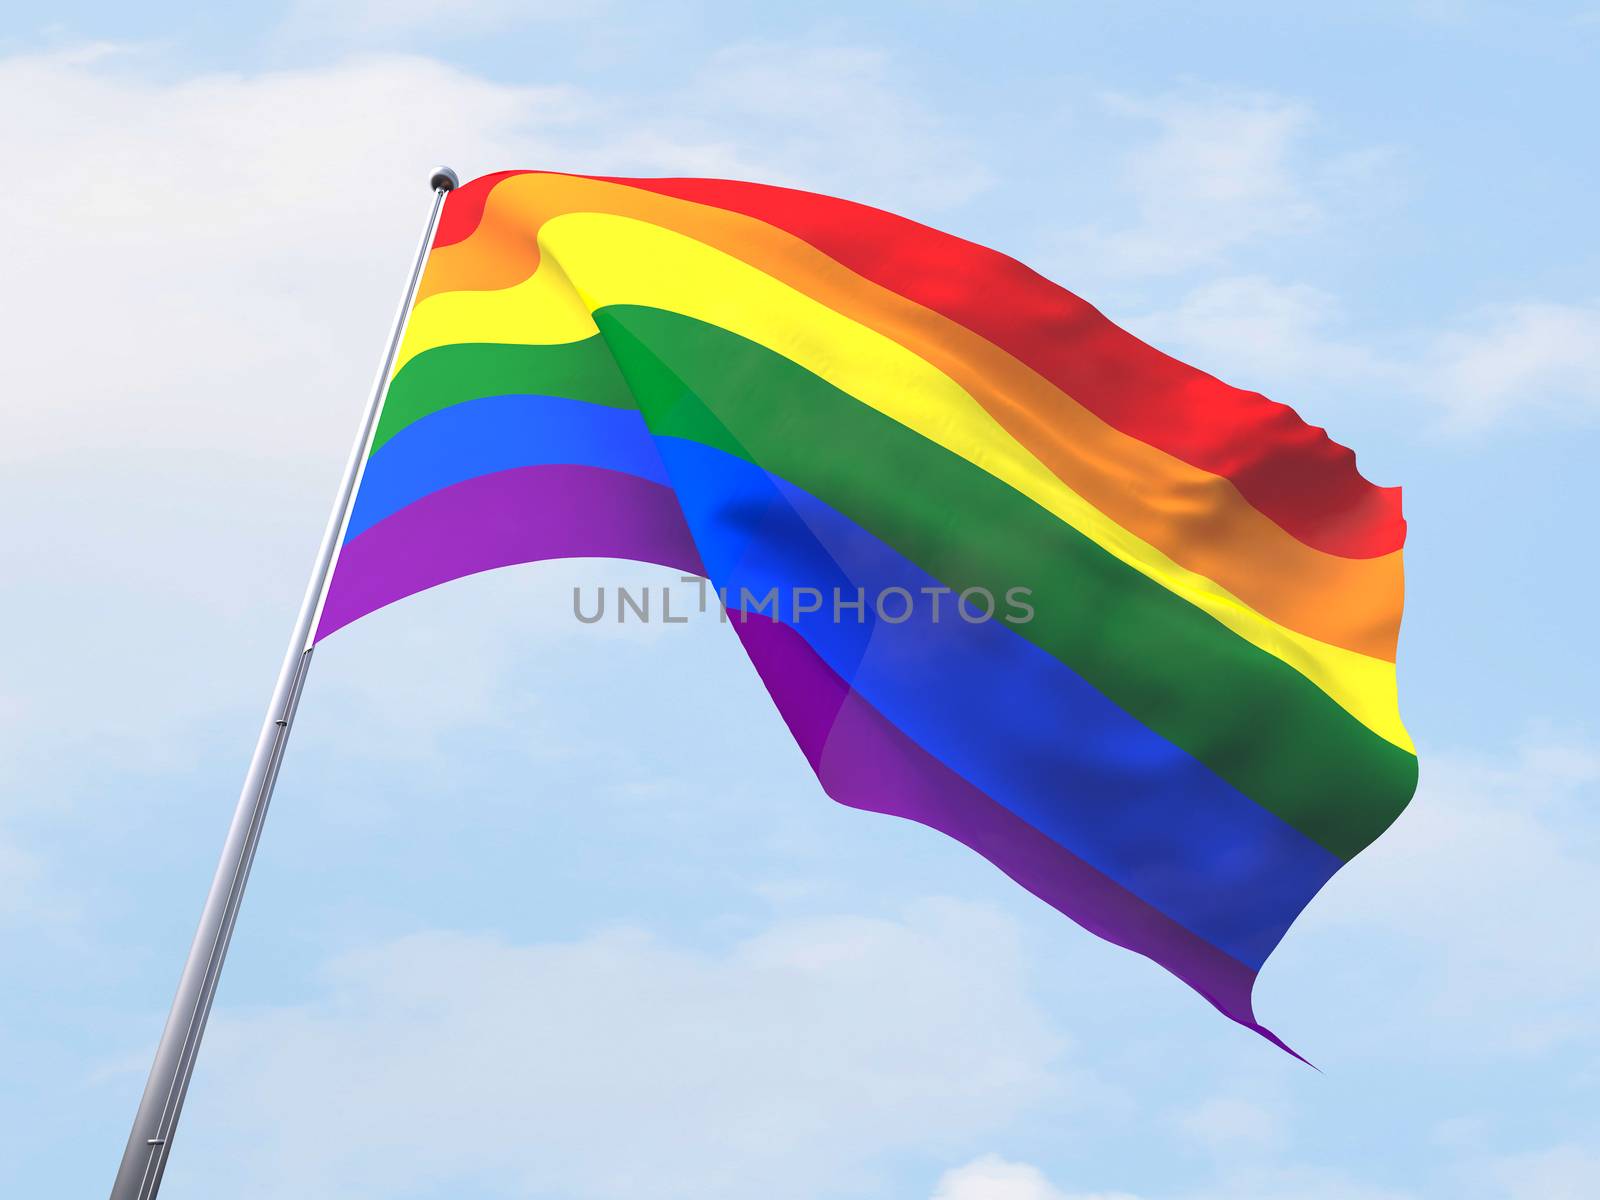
547, 909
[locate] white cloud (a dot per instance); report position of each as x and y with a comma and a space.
211, 265
1254, 332
1485, 886
800, 112
1223, 171
994, 1178
1562, 1173
455, 18
212, 261
1515, 365
1232, 1125
620, 1065
205, 251
1535, 360
1222, 174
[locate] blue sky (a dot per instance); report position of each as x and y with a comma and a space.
553, 910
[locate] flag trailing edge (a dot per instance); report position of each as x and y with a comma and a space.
770, 388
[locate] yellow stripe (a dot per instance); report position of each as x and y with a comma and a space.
592, 260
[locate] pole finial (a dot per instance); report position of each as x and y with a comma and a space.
444, 180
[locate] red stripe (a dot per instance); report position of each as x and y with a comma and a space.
1293, 472
463, 208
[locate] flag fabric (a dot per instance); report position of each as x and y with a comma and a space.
1124, 630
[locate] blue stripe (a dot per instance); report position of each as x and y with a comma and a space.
1006, 715
499, 433
991, 705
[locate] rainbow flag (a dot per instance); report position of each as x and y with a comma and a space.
1160, 691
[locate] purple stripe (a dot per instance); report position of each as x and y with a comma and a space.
524, 515
861, 759
864, 761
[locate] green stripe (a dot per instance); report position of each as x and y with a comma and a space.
1253, 719
447, 375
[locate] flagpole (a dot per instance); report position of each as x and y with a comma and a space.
145, 1158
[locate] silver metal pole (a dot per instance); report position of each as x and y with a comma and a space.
145, 1159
